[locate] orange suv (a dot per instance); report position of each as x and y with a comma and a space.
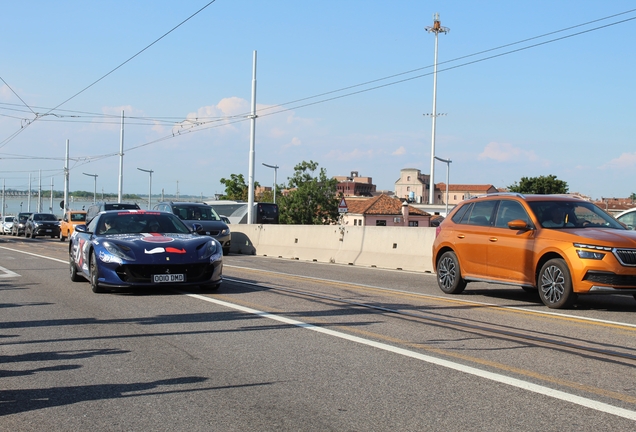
559, 244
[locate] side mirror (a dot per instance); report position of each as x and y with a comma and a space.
197, 228
81, 228
518, 225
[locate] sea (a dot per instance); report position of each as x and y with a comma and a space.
15, 205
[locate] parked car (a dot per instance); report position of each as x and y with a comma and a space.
18, 223
7, 224
210, 222
94, 209
129, 248
69, 220
561, 245
42, 224
628, 218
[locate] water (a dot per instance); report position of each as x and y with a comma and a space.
14, 205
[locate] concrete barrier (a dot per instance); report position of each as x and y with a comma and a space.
404, 248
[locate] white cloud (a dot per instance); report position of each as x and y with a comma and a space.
626, 160
5, 93
352, 155
504, 152
400, 151
295, 142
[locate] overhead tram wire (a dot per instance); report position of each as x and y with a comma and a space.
201, 128
243, 117
176, 119
3, 143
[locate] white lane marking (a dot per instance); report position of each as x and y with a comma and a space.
8, 273
557, 394
525, 385
539, 312
35, 255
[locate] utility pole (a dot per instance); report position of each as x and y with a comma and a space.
66, 206
250, 177
437, 29
120, 193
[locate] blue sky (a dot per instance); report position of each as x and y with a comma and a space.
564, 107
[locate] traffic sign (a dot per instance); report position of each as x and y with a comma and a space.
342, 207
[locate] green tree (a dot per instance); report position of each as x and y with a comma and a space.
540, 185
312, 200
236, 188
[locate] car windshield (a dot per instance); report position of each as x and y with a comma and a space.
133, 223
200, 212
44, 217
78, 217
569, 214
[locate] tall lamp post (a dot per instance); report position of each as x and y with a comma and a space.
275, 167
447, 162
94, 186
437, 29
149, 186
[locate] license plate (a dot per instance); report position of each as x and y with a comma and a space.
168, 278
49, 230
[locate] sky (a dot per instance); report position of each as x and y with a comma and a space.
524, 89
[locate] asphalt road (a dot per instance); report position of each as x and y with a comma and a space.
289, 345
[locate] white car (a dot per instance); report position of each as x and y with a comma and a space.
628, 218
7, 223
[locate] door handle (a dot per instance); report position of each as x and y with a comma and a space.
493, 239
461, 236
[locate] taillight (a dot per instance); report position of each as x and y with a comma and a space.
438, 230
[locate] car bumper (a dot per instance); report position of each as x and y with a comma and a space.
139, 275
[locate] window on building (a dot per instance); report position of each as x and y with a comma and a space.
355, 222
397, 220
413, 223
380, 223
455, 197
360, 222
408, 188
408, 178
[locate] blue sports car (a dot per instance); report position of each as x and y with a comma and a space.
125, 248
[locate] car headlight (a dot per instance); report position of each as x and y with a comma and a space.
118, 251
591, 254
225, 232
210, 249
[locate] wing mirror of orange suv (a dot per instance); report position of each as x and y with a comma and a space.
518, 225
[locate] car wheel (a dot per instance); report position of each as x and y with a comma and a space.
62, 238
226, 251
555, 284
75, 277
94, 274
209, 287
449, 276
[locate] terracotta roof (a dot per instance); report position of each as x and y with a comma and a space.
380, 205
465, 187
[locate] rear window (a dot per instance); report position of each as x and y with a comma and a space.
120, 206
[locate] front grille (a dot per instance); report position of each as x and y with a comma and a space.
611, 279
626, 257
142, 273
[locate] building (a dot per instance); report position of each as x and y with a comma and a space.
412, 185
355, 185
460, 192
383, 210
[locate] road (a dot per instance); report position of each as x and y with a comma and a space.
301, 346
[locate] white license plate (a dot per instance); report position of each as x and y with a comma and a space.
49, 230
169, 278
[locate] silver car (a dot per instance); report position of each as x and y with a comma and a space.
7, 224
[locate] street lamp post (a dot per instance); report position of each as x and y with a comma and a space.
149, 186
447, 162
275, 167
94, 186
